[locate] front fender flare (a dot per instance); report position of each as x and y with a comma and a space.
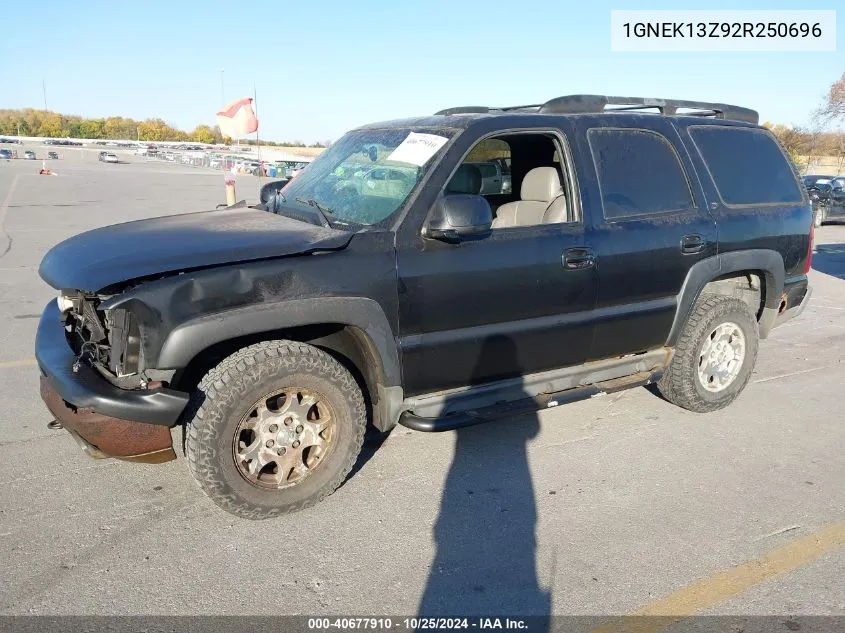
190, 338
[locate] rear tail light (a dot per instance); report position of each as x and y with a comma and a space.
809, 263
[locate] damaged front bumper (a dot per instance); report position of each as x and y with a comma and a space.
108, 421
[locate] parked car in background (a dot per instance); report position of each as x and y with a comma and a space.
29, 155
387, 182
836, 208
492, 180
108, 157
5, 154
819, 190
52, 155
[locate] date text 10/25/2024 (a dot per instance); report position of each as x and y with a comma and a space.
417, 624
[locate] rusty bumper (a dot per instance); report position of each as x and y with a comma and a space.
132, 424
103, 436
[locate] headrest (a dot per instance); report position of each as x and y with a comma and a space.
541, 184
467, 179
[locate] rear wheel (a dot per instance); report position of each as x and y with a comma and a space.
276, 428
820, 216
714, 357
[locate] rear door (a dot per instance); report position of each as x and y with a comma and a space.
650, 225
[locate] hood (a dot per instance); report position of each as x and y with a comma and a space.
96, 259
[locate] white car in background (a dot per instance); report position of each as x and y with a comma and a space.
108, 157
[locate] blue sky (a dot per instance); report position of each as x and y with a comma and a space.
322, 67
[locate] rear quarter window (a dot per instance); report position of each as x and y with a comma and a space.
747, 165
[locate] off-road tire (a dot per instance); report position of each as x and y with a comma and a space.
223, 397
680, 384
819, 216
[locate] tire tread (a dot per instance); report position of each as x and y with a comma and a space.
220, 385
677, 385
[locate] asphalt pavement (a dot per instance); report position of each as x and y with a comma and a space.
620, 504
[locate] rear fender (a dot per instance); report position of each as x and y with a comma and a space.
767, 262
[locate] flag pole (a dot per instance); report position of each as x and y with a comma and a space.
257, 140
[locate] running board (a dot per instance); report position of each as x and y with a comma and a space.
464, 419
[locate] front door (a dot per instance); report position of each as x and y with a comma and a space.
507, 296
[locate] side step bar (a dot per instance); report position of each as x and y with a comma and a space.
526, 405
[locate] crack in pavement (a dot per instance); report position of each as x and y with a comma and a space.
3, 208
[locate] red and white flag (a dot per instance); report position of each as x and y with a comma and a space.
237, 119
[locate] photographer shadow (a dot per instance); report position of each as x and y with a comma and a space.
484, 565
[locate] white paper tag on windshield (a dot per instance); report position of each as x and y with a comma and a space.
418, 148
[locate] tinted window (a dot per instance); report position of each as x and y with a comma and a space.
747, 165
639, 173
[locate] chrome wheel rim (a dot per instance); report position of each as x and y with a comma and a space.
721, 357
284, 438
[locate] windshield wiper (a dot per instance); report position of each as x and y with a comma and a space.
323, 210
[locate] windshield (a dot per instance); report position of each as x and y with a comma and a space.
367, 175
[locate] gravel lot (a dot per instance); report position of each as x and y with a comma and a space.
602, 507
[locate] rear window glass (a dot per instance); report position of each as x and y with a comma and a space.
639, 173
747, 165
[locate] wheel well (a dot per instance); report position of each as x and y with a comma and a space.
348, 344
747, 285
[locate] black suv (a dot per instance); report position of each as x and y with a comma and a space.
657, 243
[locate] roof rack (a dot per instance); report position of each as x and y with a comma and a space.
585, 104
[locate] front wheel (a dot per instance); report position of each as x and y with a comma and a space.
276, 427
819, 216
714, 356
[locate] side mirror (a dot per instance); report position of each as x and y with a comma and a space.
458, 216
271, 189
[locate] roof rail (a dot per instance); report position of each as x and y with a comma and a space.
584, 104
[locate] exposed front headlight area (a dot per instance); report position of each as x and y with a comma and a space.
108, 340
65, 303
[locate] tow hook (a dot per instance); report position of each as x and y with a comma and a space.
55, 425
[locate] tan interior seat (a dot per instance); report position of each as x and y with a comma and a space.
541, 201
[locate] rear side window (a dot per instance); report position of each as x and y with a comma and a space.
747, 165
639, 173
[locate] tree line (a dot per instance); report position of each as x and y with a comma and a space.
48, 124
823, 136
803, 143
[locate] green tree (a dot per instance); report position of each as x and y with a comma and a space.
51, 125
92, 128
154, 130
203, 134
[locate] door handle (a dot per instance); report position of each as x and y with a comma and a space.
692, 244
578, 258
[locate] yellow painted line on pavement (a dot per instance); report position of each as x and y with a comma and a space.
728, 584
7, 364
